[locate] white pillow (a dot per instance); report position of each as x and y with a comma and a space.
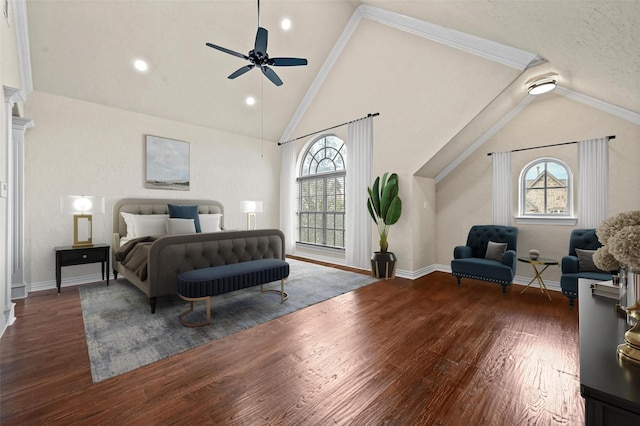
128, 220
210, 222
180, 226
149, 224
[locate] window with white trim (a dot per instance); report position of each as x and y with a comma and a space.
546, 189
321, 193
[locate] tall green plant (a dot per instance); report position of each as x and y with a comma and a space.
385, 207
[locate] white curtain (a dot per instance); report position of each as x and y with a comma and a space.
357, 220
501, 188
287, 195
593, 182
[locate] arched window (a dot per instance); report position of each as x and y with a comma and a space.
546, 189
321, 192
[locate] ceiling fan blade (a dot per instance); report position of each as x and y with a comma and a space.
241, 71
230, 52
260, 47
287, 62
271, 75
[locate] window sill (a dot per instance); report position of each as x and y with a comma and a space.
546, 220
318, 250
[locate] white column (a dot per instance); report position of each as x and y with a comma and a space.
18, 287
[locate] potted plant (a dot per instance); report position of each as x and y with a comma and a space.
385, 208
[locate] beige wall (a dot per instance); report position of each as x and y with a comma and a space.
463, 198
78, 148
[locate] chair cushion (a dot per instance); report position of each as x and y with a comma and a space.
484, 269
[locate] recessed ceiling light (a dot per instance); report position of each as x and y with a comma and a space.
250, 100
140, 65
285, 24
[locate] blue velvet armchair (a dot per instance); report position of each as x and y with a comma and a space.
470, 260
572, 270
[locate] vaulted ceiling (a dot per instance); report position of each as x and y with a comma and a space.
375, 56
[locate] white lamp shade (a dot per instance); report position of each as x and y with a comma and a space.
251, 206
81, 204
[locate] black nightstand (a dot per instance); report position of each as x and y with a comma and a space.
67, 256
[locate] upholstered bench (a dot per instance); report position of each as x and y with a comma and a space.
201, 284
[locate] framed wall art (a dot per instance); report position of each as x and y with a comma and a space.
167, 164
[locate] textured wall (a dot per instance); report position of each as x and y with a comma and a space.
78, 148
464, 196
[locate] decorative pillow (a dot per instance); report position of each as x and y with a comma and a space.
149, 224
180, 226
185, 212
495, 251
210, 222
585, 261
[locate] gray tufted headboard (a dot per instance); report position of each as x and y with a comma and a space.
159, 206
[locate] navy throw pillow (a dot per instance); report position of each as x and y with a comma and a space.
185, 212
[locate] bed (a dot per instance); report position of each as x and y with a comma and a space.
161, 258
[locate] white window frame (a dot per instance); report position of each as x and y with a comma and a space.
545, 218
321, 175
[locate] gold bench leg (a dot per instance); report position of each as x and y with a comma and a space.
190, 309
283, 296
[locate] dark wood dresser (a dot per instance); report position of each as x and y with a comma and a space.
610, 387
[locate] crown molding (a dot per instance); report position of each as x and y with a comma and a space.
19, 8
21, 124
623, 113
13, 95
488, 49
491, 50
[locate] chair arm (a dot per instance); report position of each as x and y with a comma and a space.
570, 264
510, 259
462, 252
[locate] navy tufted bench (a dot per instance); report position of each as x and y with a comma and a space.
201, 284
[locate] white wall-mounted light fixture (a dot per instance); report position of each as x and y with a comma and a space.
82, 207
542, 84
251, 208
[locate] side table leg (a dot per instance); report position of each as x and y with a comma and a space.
543, 288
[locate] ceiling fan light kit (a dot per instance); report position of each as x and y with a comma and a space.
258, 57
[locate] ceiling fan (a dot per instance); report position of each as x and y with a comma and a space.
258, 57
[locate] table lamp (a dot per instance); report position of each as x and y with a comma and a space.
251, 208
82, 207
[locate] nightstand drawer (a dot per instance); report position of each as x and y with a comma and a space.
80, 256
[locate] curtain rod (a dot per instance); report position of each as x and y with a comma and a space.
547, 146
375, 114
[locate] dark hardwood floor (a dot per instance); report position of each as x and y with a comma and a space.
396, 352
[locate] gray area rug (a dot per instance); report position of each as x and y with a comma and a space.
123, 335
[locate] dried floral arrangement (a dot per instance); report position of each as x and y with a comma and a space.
620, 236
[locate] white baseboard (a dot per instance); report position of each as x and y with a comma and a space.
8, 317
67, 282
401, 273
551, 285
